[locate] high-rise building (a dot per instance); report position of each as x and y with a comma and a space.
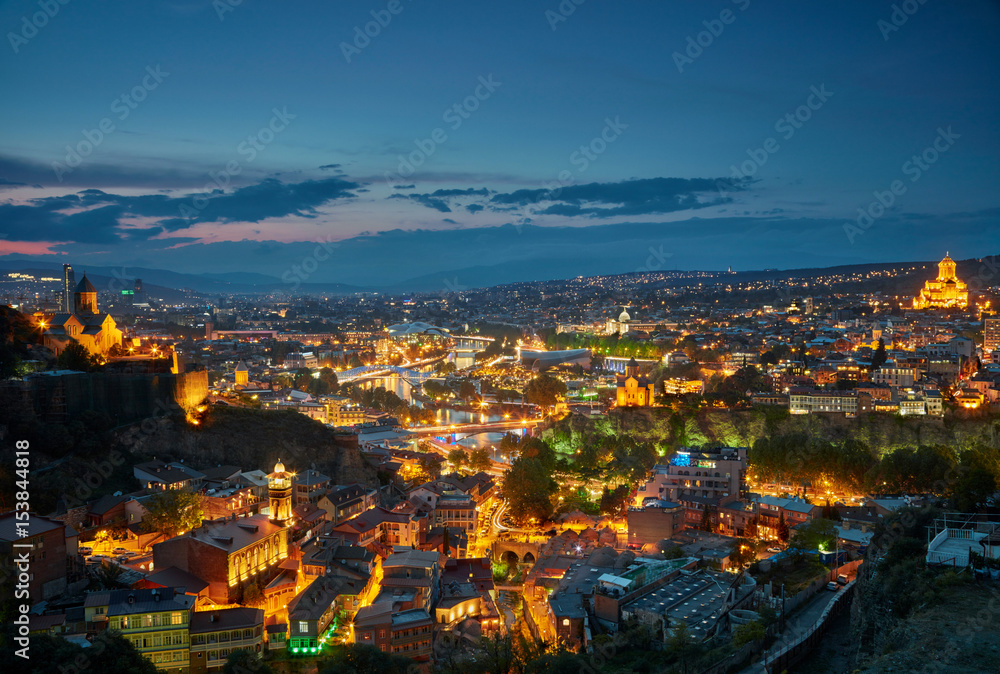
991, 333
69, 285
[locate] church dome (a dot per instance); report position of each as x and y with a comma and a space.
623, 317
279, 467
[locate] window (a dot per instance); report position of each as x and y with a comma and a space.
176, 619
303, 627
565, 622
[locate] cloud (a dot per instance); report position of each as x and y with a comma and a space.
101, 217
6, 184
440, 200
327, 167
626, 198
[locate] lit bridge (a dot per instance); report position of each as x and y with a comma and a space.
371, 371
473, 429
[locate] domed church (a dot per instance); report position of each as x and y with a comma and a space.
944, 292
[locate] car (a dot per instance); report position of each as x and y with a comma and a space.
774, 549
842, 579
833, 587
85, 550
121, 551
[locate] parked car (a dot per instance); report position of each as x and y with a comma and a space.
842, 579
833, 587
85, 550
774, 549
121, 551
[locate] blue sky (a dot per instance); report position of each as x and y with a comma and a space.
546, 86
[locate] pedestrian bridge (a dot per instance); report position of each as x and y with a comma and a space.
370, 371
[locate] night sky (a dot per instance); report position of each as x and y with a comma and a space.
231, 136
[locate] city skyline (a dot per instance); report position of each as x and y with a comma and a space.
561, 142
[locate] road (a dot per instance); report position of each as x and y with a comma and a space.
797, 624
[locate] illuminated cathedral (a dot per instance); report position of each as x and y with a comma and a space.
944, 292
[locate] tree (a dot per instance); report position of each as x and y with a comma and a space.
108, 653
879, 357
430, 467
365, 659
479, 460
76, 357
528, 487
458, 457
544, 391
109, 576
706, 519
243, 661
782, 528
748, 632
743, 553
816, 534
467, 391
673, 552
613, 502
972, 489
173, 511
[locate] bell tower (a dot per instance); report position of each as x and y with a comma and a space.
279, 491
85, 298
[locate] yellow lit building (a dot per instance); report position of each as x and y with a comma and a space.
242, 374
944, 292
634, 389
96, 331
279, 489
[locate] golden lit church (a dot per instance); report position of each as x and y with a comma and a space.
944, 292
97, 332
634, 389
